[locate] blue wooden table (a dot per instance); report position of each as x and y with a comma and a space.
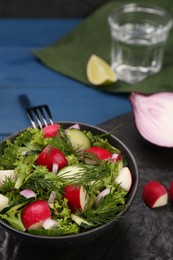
22, 73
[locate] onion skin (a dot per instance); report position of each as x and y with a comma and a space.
153, 115
75, 126
116, 157
52, 197
27, 193
101, 195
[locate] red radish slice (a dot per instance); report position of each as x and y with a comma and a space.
100, 152
35, 213
171, 191
28, 193
153, 117
124, 178
155, 194
51, 155
51, 130
4, 202
101, 195
77, 197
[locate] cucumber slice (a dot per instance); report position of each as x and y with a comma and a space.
81, 222
78, 138
69, 171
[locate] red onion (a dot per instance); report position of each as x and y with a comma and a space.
75, 126
116, 157
28, 193
52, 197
101, 195
153, 116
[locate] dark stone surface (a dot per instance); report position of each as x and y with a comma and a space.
48, 8
143, 234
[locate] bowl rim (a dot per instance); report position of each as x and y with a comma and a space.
89, 232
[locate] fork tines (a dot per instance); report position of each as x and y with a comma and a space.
39, 116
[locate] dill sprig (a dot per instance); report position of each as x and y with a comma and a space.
107, 209
7, 185
8, 153
62, 142
89, 175
39, 182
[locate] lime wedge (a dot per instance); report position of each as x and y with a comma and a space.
99, 71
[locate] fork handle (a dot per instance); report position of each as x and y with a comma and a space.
24, 101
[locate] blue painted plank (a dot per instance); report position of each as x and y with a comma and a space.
21, 73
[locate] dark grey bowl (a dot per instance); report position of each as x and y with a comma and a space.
88, 236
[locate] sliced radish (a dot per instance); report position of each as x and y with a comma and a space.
35, 213
77, 197
155, 194
51, 130
99, 152
101, 195
50, 156
153, 117
49, 223
124, 178
4, 202
27, 193
7, 174
171, 191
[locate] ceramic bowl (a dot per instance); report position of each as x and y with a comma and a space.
94, 233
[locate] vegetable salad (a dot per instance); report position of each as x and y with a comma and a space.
58, 181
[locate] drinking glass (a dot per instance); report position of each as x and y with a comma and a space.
139, 34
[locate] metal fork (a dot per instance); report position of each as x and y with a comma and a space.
39, 116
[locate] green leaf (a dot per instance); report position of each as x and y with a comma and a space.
13, 216
60, 231
108, 207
